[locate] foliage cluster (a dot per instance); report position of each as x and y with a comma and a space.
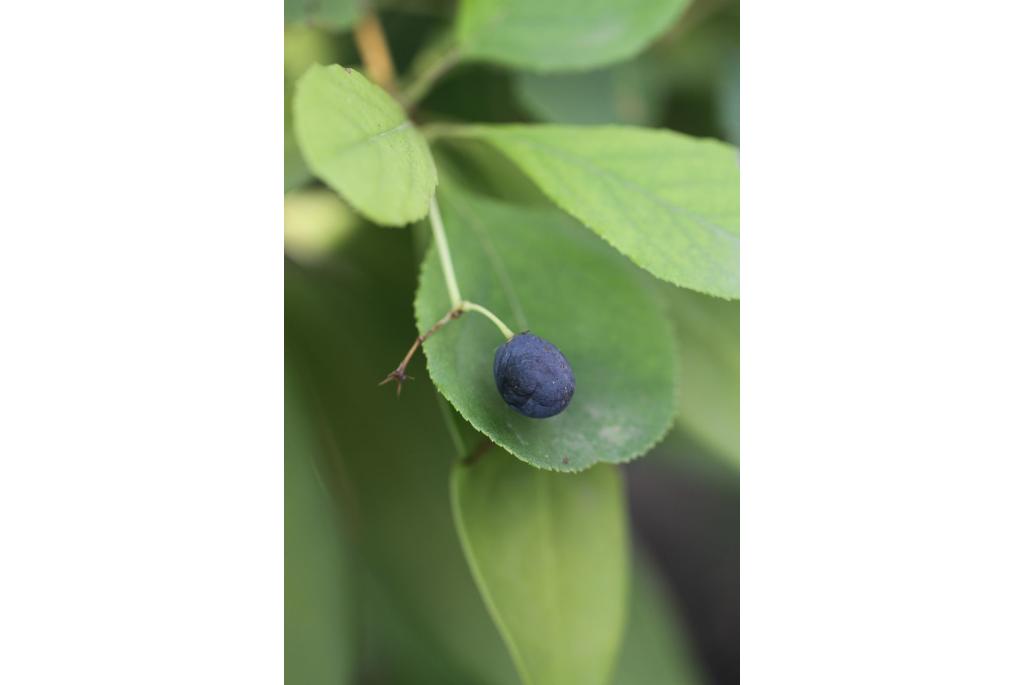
442, 537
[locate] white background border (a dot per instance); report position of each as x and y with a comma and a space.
882, 343
142, 353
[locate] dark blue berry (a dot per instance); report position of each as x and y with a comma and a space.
533, 376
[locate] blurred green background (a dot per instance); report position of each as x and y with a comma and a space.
377, 589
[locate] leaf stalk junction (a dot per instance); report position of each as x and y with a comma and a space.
376, 55
459, 305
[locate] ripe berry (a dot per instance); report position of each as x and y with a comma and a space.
533, 376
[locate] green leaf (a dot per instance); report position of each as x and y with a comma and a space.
549, 553
349, 321
667, 201
656, 651
395, 650
480, 168
303, 47
539, 270
727, 97
319, 630
316, 222
623, 94
357, 139
564, 34
708, 331
334, 15
296, 174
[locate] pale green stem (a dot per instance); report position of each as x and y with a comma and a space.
474, 307
441, 240
444, 253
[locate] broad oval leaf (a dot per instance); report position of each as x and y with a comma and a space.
549, 554
564, 34
668, 201
357, 139
539, 270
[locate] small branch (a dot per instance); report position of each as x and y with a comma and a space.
374, 52
459, 306
441, 240
426, 79
399, 375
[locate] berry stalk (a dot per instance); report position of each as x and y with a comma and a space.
459, 306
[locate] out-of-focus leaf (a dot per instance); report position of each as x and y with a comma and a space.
565, 34
694, 69
623, 94
334, 15
296, 174
656, 651
475, 92
357, 139
303, 46
539, 270
686, 503
727, 98
316, 222
392, 649
319, 605
549, 554
667, 201
708, 335
349, 321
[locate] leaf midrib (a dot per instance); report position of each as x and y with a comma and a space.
346, 149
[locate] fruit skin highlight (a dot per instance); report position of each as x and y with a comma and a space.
533, 376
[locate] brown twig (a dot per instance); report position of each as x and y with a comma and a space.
399, 375
374, 52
